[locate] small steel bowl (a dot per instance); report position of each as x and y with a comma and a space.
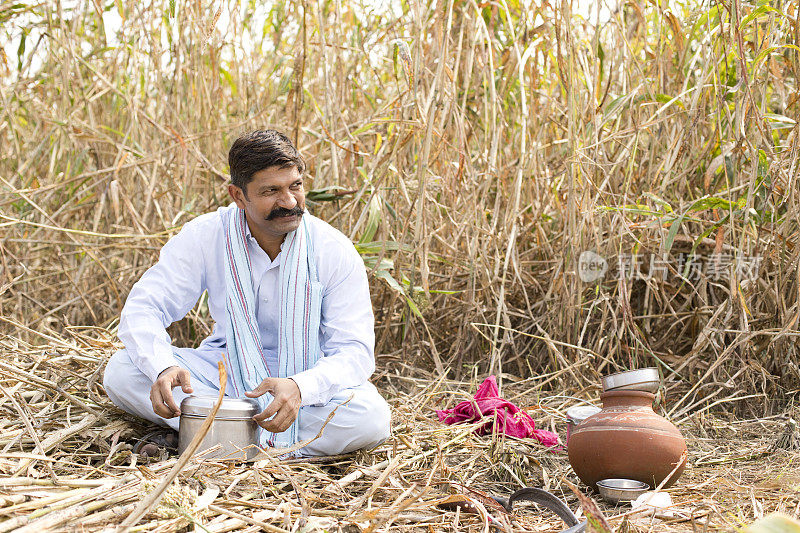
577, 414
644, 379
621, 490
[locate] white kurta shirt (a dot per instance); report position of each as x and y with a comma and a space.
193, 261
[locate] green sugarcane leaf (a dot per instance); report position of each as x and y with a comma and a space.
21, 48
779, 122
701, 204
754, 14
663, 203
373, 219
762, 55
375, 247
394, 284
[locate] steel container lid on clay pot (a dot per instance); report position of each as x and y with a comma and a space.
627, 439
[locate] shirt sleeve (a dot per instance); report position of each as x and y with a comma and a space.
347, 334
163, 295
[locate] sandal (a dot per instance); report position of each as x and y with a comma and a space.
150, 444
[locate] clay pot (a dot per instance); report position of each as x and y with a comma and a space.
627, 439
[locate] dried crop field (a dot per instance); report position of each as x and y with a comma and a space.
475, 152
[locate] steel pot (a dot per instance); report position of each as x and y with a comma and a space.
233, 429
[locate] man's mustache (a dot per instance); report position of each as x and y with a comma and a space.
281, 212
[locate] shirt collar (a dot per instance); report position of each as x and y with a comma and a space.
252, 240
247, 232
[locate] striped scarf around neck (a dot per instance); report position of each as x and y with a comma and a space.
300, 306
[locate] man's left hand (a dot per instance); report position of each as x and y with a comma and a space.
284, 406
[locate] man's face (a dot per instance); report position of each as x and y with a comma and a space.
275, 201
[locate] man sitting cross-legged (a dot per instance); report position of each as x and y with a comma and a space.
290, 300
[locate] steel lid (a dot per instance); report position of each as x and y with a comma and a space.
579, 413
243, 408
643, 379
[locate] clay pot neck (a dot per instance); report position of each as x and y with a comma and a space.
627, 398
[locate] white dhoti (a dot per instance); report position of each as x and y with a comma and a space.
362, 422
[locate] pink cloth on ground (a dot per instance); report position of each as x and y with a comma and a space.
509, 418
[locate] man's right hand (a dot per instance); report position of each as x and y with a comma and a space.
161, 392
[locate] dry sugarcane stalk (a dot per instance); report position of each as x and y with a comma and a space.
25, 462
445, 455
60, 517
58, 437
354, 475
289, 450
247, 520
103, 516
41, 503
356, 504
11, 499
152, 499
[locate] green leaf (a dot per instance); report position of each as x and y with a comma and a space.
754, 14
699, 240
615, 106
601, 56
668, 101
229, 80
763, 163
767, 51
363, 128
701, 204
21, 48
710, 17
663, 203
371, 262
715, 202
779, 122
633, 209
394, 284
373, 219
673, 232
375, 247
327, 194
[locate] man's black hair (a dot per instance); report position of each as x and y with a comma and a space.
258, 150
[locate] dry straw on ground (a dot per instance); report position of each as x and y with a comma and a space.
73, 469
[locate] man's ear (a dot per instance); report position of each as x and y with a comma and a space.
237, 194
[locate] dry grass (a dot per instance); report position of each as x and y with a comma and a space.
475, 149
73, 469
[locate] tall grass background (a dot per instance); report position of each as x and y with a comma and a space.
472, 150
